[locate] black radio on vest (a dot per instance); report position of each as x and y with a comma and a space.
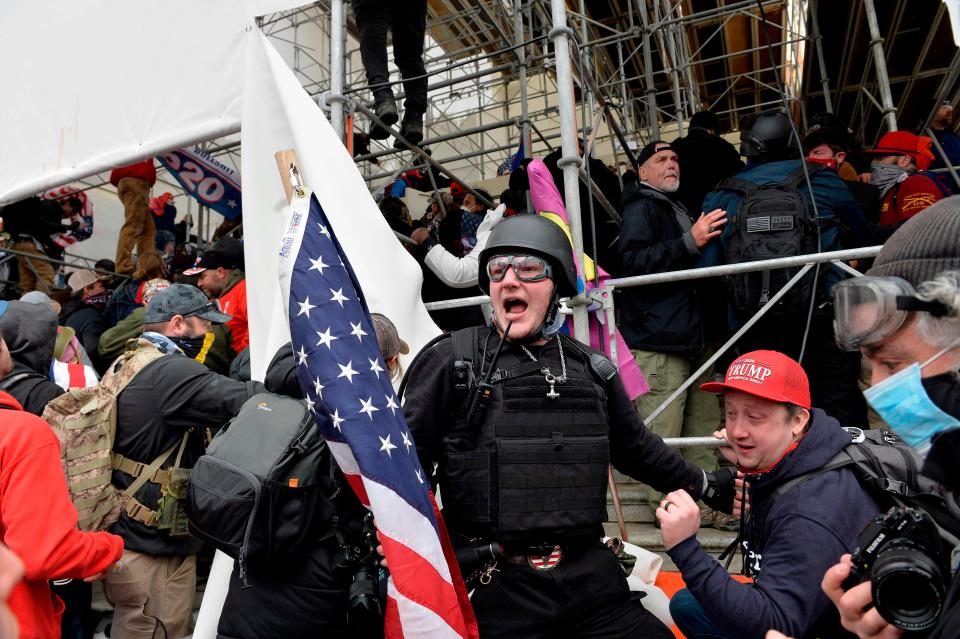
484, 389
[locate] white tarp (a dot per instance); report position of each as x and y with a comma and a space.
953, 6
277, 115
92, 85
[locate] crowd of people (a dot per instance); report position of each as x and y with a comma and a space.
792, 383
520, 421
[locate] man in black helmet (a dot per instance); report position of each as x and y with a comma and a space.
775, 223
522, 423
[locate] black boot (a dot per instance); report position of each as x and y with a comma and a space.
386, 109
411, 129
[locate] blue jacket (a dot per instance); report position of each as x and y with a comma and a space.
789, 544
835, 205
950, 142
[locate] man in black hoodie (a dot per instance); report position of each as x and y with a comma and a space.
31, 333
662, 323
30, 223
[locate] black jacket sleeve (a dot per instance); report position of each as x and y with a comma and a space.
637, 451
39, 393
188, 393
642, 249
428, 400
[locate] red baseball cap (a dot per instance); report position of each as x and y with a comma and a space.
767, 374
905, 143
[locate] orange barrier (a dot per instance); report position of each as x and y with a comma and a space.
671, 582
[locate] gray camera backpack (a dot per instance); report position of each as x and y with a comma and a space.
266, 483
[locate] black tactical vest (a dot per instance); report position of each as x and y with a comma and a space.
536, 468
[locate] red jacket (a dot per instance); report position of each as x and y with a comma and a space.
234, 302
39, 523
143, 170
908, 198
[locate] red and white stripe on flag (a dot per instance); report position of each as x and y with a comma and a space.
421, 589
68, 376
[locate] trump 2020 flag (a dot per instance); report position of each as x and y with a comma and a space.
343, 375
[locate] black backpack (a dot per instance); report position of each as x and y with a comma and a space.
889, 470
266, 483
772, 220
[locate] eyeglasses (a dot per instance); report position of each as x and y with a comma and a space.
527, 268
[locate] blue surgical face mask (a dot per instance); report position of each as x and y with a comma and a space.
903, 403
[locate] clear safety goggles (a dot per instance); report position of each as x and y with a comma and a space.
528, 268
870, 309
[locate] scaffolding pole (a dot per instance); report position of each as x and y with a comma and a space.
668, 55
570, 159
651, 91
883, 80
336, 98
521, 52
818, 43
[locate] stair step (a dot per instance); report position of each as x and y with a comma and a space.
648, 537
633, 502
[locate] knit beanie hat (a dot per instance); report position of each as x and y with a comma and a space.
925, 246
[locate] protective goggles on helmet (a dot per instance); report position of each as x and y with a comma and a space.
870, 309
527, 268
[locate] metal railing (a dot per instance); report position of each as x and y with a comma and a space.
604, 295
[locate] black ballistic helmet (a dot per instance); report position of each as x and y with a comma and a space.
769, 138
533, 235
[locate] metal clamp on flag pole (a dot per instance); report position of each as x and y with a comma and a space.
288, 168
297, 182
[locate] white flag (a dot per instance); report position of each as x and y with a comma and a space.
277, 115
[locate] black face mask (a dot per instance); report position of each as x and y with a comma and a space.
98, 301
943, 460
191, 346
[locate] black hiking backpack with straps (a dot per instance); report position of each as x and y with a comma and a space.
889, 470
772, 220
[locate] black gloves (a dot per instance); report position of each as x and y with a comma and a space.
720, 489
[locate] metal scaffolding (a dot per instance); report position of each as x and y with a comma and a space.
640, 68
615, 72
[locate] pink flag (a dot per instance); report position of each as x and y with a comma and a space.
546, 199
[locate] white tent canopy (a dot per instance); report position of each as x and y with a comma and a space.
89, 86
100, 84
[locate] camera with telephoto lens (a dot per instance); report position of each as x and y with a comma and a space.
902, 555
364, 609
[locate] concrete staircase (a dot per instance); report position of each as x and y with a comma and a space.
642, 532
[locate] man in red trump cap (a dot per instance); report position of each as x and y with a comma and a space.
786, 539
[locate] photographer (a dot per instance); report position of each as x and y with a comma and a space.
331, 589
912, 340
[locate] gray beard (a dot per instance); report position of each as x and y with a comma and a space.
673, 188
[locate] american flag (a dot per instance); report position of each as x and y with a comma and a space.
343, 375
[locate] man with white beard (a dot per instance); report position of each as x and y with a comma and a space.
662, 324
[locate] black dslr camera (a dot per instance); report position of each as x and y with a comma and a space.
368, 581
902, 555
